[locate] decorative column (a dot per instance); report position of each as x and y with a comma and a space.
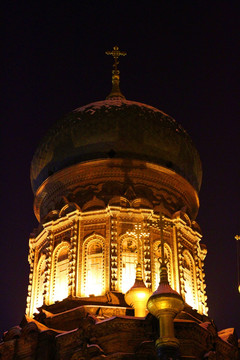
113, 255
31, 258
147, 262
202, 255
181, 275
72, 260
197, 280
49, 251
176, 259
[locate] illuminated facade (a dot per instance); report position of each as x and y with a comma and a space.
116, 184
89, 248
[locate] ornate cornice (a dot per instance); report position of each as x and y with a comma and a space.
95, 177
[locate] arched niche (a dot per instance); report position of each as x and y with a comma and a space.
189, 275
142, 202
128, 262
40, 280
94, 204
93, 266
60, 272
119, 201
68, 208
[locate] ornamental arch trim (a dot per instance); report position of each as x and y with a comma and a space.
189, 274
93, 265
39, 282
127, 260
60, 272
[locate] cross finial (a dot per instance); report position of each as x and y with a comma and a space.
138, 233
116, 53
161, 224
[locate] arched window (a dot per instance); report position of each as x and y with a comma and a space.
129, 262
189, 279
40, 282
94, 282
61, 274
157, 254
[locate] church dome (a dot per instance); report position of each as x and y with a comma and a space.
116, 128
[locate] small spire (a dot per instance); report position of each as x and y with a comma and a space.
139, 272
116, 92
163, 274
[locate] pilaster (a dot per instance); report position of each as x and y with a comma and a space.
113, 254
47, 280
30, 296
72, 259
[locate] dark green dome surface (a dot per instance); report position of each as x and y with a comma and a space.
121, 129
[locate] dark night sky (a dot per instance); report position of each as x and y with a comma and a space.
183, 57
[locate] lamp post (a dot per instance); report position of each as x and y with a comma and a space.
237, 237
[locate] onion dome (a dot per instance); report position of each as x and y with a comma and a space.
138, 295
116, 128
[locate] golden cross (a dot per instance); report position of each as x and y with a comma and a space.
138, 233
161, 224
116, 53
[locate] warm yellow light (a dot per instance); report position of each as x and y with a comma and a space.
128, 270
61, 293
140, 295
94, 279
189, 297
93, 286
189, 287
61, 281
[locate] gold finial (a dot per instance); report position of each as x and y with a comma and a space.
139, 272
163, 272
116, 92
165, 303
162, 225
138, 295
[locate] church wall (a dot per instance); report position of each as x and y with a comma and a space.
112, 227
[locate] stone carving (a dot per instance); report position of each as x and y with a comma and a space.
97, 196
